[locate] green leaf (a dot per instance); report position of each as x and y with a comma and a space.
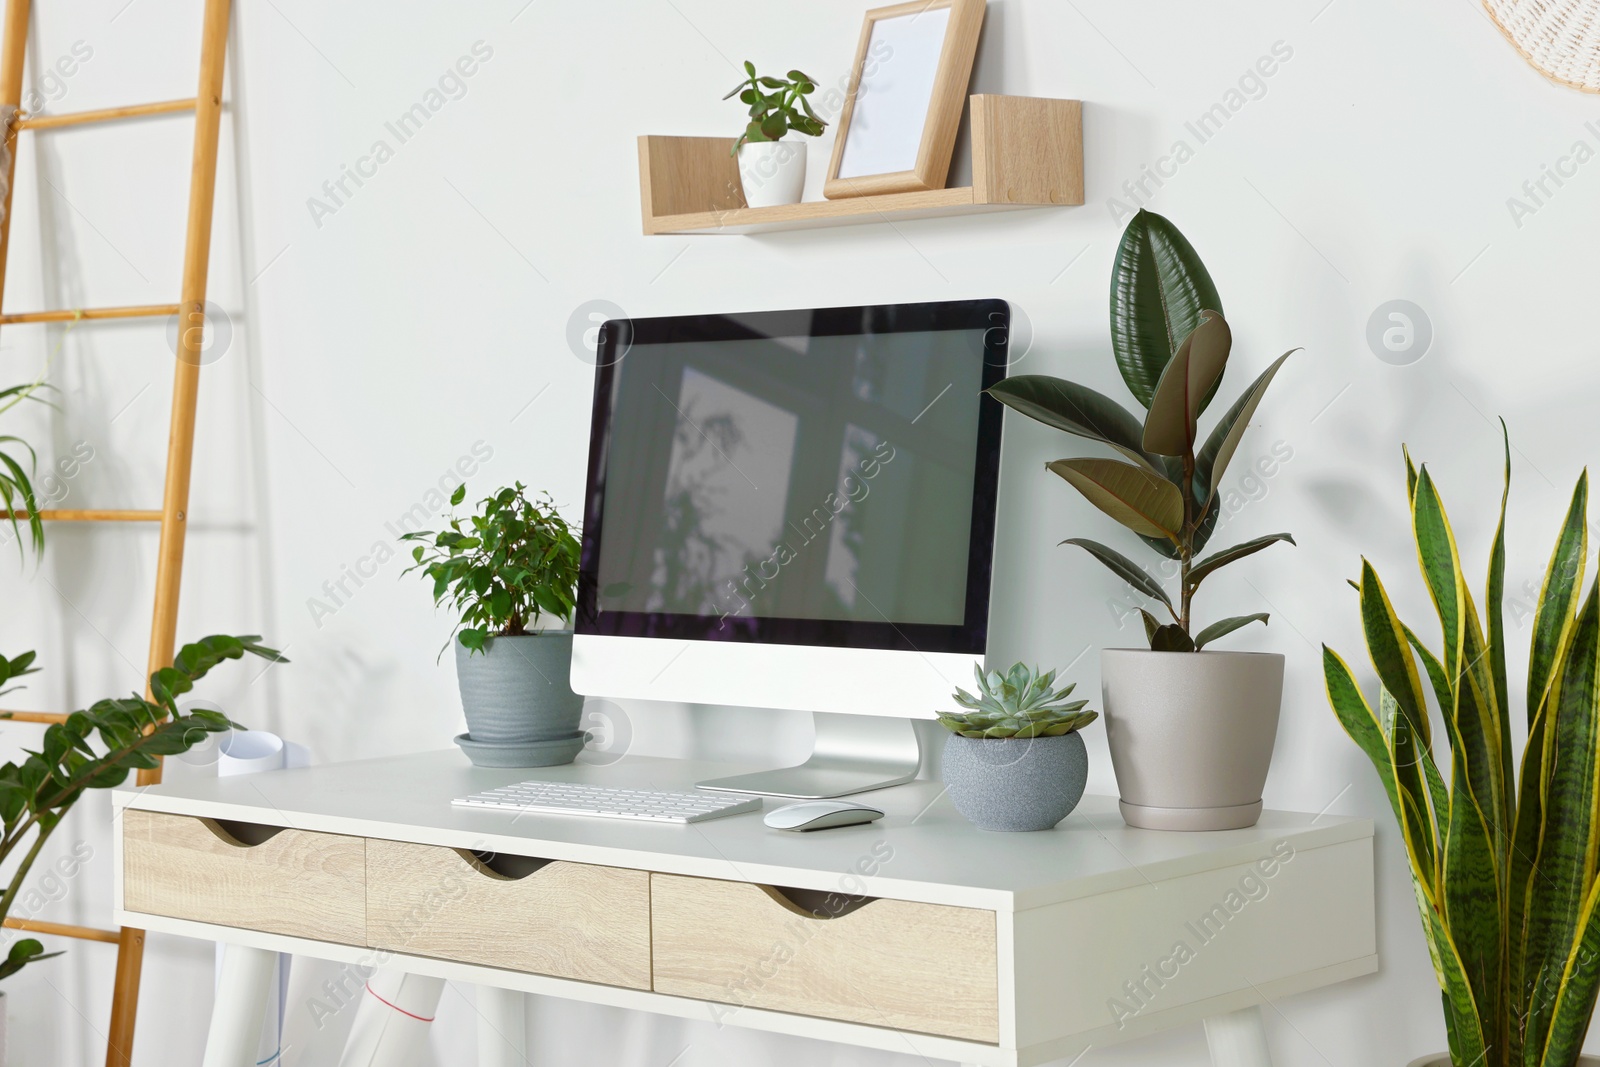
1191, 377
1211, 462
1391, 656
1151, 625
1223, 627
1123, 568
1137, 497
1214, 562
1579, 982
23, 952
459, 495
1159, 286
1075, 408
1565, 869
1558, 599
1171, 638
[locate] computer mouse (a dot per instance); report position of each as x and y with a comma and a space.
820, 815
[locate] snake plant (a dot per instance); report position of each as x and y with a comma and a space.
1504, 868
1019, 703
16, 485
1171, 344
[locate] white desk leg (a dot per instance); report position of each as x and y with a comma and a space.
240, 1009
1238, 1039
502, 1027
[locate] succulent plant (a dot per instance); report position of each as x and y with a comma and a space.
1020, 703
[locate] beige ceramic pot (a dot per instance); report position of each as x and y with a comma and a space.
1191, 734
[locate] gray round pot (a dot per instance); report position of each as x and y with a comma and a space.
518, 691
1191, 734
1014, 783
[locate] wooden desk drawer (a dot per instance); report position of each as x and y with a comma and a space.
923, 967
255, 877
570, 920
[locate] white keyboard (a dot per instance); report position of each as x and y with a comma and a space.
606, 802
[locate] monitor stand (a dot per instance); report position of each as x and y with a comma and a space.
852, 754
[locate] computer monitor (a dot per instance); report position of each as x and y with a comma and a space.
795, 509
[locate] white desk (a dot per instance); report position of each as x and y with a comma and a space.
1090, 934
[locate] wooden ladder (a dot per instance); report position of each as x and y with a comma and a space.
207, 107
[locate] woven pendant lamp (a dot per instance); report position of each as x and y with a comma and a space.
1559, 38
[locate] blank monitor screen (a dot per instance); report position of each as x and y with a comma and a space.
803, 477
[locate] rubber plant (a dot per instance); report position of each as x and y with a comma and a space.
133, 733
1504, 870
1171, 344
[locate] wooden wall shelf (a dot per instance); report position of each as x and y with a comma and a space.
1027, 152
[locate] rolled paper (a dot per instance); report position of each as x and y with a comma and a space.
391, 1026
249, 751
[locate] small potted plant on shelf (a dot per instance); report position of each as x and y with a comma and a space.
1506, 875
503, 570
1014, 760
773, 170
133, 733
1190, 732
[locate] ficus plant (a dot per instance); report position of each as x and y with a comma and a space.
1506, 870
96, 749
502, 568
777, 105
1171, 344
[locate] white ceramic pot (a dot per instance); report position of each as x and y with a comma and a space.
773, 173
1442, 1059
1191, 734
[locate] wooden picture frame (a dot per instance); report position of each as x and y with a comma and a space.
913, 62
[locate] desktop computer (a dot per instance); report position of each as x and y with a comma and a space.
795, 509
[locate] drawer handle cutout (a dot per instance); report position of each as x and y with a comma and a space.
501, 867
822, 904
241, 834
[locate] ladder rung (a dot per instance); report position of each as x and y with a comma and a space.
83, 933
47, 717
103, 515
132, 311
79, 118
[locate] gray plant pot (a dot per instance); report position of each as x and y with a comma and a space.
518, 691
1191, 734
1015, 783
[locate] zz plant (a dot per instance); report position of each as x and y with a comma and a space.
501, 568
1504, 868
132, 732
1171, 344
775, 113
1019, 703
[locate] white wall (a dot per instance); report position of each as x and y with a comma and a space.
375, 345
